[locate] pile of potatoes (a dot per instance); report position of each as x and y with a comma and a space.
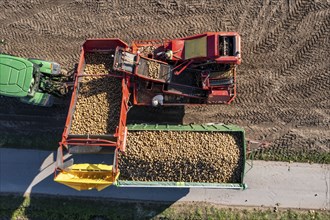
101, 63
97, 110
212, 157
153, 69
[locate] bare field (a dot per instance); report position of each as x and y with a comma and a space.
283, 82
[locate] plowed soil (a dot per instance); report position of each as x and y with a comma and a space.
283, 82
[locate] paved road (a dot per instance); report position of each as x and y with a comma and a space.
289, 185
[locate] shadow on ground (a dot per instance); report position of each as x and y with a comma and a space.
33, 127
31, 176
16, 206
156, 115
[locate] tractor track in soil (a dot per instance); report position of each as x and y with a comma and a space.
283, 81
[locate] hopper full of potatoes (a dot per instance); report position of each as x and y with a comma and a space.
97, 109
183, 156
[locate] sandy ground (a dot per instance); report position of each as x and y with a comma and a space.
283, 82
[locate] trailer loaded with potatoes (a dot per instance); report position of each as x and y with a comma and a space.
210, 155
99, 149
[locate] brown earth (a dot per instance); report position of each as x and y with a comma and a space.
283, 82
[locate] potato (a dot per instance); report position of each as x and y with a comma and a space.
153, 69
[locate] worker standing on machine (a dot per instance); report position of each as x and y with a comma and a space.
158, 100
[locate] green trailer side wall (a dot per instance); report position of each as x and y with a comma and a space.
190, 128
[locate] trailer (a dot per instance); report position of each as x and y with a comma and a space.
98, 176
160, 134
100, 97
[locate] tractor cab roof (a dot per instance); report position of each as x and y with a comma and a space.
15, 76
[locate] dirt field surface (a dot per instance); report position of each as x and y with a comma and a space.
283, 82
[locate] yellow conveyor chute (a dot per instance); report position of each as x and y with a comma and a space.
87, 176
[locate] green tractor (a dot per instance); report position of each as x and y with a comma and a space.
33, 81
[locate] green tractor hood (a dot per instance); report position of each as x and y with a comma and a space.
16, 75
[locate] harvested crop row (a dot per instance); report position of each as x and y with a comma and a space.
182, 157
97, 110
